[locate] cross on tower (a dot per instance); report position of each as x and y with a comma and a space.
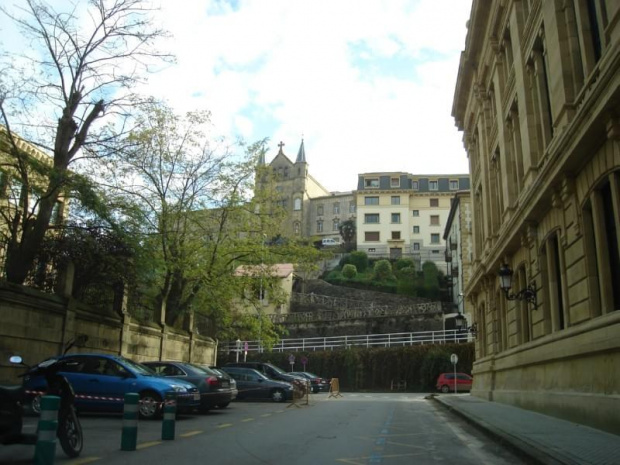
281, 144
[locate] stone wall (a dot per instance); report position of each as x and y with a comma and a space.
37, 325
325, 310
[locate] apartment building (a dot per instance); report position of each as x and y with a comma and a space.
403, 215
537, 98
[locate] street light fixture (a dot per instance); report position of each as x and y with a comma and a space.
527, 294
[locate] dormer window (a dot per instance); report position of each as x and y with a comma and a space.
372, 183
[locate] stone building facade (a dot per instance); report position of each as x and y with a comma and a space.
459, 253
538, 101
311, 210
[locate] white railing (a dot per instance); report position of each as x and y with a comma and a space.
362, 340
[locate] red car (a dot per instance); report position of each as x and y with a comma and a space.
446, 382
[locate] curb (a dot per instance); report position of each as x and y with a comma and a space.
524, 449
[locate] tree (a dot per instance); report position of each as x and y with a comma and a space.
190, 197
348, 233
81, 71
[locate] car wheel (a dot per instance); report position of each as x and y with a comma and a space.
277, 395
150, 405
224, 405
445, 388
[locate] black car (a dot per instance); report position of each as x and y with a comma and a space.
270, 371
317, 383
215, 389
252, 384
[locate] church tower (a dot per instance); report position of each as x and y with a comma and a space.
295, 188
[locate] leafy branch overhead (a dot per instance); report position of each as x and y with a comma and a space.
81, 71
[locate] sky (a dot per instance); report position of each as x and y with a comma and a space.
367, 84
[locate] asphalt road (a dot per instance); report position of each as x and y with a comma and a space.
355, 429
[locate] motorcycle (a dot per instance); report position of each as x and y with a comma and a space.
13, 398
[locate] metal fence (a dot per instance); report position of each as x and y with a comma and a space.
345, 342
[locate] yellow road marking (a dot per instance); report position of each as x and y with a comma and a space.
147, 444
84, 460
225, 425
266, 414
245, 420
190, 433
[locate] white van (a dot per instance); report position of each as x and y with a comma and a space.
329, 242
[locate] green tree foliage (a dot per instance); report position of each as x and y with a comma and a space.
57, 94
359, 259
406, 284
191, 200
431, 280
348, 233
349, 271
103, 258
403, 263
383, 270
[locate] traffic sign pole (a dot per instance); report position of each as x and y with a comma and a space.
454, 359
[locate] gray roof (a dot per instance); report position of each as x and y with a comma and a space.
301, 155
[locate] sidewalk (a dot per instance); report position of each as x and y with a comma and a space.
543, 439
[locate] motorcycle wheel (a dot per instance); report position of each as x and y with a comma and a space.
70, 433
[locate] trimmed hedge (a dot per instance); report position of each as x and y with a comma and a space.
373, 369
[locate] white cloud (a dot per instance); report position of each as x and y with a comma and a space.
368, 83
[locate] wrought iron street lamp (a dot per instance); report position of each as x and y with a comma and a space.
527, 294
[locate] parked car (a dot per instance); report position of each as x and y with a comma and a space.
100, 382
447, 381
252, 384
231, 380
317, 384
215, 389
269, 370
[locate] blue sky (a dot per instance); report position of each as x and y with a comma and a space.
368, 83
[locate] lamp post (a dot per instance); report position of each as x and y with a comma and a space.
527, 294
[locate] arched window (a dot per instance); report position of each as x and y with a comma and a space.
297, 204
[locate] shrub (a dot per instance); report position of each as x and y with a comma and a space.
359, 259
383, 270
406, 281
402, 263
349, 271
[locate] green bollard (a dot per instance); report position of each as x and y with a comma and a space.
129, 437
45, 450
170, 413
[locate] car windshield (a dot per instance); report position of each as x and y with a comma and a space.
203, 370
137, 368
276, 369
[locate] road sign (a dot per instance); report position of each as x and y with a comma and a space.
304, 361
454, 359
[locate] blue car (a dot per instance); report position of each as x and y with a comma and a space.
100, 382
